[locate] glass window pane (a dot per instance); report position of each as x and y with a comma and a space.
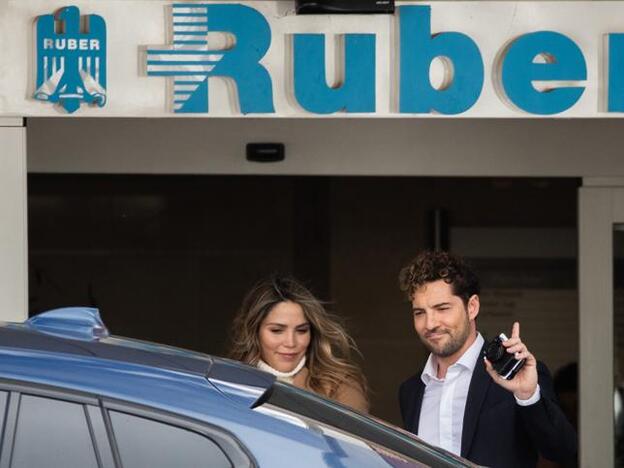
4, 397
147, 443
320, 410
618, 341
52, 433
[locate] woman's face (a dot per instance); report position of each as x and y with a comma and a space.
284, 336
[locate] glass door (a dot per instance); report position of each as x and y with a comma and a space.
618, 343
601, 323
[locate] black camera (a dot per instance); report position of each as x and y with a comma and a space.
503, 362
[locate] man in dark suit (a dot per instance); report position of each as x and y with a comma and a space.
458, 401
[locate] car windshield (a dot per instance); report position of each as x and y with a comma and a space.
297, 403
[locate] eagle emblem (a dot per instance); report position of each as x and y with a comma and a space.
71, 63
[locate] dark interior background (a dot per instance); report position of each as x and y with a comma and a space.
168, 258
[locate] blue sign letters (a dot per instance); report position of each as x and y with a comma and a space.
563, 62
190, 62
71, 66
355, 94
419, 48
616, 73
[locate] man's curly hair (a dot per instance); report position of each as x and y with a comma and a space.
429, 266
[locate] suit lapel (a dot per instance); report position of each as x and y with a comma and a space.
418, 398
477, 391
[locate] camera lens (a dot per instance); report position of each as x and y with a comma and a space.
494, 351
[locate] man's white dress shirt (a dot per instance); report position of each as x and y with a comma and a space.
442, 411
444, 401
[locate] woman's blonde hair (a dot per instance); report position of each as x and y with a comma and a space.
329, 355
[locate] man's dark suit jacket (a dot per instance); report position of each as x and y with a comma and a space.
497, 431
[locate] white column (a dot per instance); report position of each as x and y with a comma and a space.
13, 221
596, 327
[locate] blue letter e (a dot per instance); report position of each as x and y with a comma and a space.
419, 48
563, 61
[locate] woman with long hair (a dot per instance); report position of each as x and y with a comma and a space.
283, 329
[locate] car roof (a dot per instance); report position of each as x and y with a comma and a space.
72, 348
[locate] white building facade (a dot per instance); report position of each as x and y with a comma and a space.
483, 89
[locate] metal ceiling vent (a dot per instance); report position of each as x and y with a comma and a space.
78, 323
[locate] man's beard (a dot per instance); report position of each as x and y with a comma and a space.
453, 345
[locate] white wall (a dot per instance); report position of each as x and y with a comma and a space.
133, 25
410, 147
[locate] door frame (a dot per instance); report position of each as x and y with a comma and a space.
601, 205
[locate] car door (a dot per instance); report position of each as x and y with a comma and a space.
54, 428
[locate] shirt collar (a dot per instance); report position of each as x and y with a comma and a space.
468, 360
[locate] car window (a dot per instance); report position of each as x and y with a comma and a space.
39, 440
381, 435
335, 439
143, 442
4, 397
